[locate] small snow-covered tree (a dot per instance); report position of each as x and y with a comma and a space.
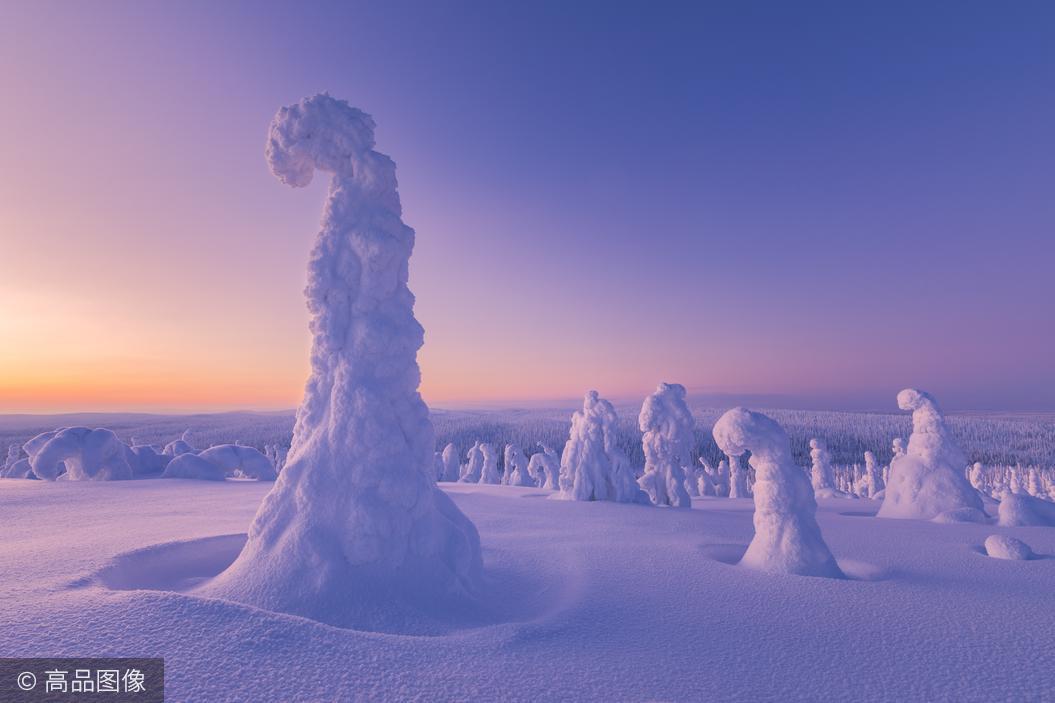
516, 466
474, 466
738, 487
450, 463
544, 467
705, 479
787, 537
489, 471
928, 479
872, 482
667, 425
592, 466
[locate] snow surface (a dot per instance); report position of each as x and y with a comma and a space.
584, 602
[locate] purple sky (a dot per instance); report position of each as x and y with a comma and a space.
826, 201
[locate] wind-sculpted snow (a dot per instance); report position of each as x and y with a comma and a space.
355, 532
787, 538
592, 467
179, 446
929, 479
1019, 510
667, 427
81, 454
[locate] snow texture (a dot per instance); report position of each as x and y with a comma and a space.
787, 537
356, 532
667, 441
1005, 547
929, 478
592, 466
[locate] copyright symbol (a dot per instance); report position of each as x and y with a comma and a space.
26, 681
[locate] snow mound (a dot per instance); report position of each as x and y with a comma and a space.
235, 457
356, 532
959, 515
192, 466
1005, 547
787, 537
929, 478
84, 455
592, 466
1019, 510
667, 425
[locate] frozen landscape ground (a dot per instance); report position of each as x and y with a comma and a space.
584, 601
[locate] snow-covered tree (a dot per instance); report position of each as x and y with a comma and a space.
667, 425
871, 482
179, 446
450, 463
489, 472
516, 466
787, 537
821, 476
592, 466
705, 479
928, 479
473, 467
355, 532
544, 467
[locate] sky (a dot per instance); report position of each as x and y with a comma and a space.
821, 202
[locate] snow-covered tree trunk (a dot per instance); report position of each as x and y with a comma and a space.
355, 531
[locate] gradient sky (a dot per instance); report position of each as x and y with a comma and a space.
830, 201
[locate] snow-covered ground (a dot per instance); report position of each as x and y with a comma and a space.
584, 601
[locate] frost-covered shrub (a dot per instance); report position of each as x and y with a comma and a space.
592, 466
787, 538
355, 532
82, 454
667, 425
929, 478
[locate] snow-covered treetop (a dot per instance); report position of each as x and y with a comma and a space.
930, 439
319, 132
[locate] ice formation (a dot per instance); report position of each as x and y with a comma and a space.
787, 538
516, 467
1017, 510
667, 425
929, 478
450, 463
84, 455
355, 532
592, 466
1005, 547
474, 466
489, 470
544, 467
